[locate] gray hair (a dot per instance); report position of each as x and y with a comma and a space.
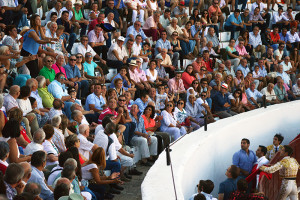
31, 82
41, 81
71, 162
33, 188
83, 128
14, 173
174, 19
56, 121
219, 74
75, 113
3, 49
39, 136
59, 55
4, 149
53, 23
1, 100
73, 107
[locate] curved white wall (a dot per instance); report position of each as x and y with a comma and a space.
206, 155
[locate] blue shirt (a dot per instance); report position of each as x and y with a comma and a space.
284, 38
126, 85
94, 99
220, 100
245, 70
254, 94
57, 89
122, 5
140, 104
244, 161
72, 72
233, 19
228, 186
38, 177
162, 45
29, 44
131, 30
140, 126
194, 30
90, 68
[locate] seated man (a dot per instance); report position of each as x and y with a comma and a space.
13, 180
253, 95
89, 69
242, 52
151, 26
136, 10
280, 20
222, 103
117, 54
296, 89
273, 149
86, 147
294, 39
269, 92
47, 70
36, 144
216, 14
135, 30
58, 89
180, 14
288, 67
257, 20
176, 86
95, 101
234, 23
146, 144
96, 41
255, 41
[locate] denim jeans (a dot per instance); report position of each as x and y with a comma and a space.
129, 132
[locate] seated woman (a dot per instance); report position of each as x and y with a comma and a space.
232, 53
193, 89
236, 103
152, 74
169, 124
49, 146
152, 125
4, 153
195, 111
91, 173
182, 117
73, 141
188, 76
124, 76
10, 133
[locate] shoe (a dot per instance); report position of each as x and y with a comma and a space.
114, 191
128, 176
123, 178
108, 196
147, 164
116, 186
134, 171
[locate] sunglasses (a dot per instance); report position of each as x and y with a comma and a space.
169, 105
203, 70
49, 61
122, 99
78, 56
180, 103
73, 91
63, 78
203, 95
72, 59
196, 83
88, 56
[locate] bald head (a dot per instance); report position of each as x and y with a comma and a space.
14, 91
83, 129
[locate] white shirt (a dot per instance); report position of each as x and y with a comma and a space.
118, 145
293, 38
255, 5
49, 35
276, 18
260, 162
51, 11
53, 112
82, 50
55, 171
38, 99
136, 49
85, 146
10, 102
70, 12
86, 174
101, 139
25, 106
286, 67
152, 77
120, 51
33, 147
269, 96
112, 23
278, 53
168, 119
50, 148
254, 40
296, 89
7, 3
59, 140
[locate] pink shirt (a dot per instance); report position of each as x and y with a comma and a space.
134, 76
58, 69
241, 51
150, 23
141, 74
174, 88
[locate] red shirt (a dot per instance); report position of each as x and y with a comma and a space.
187, 80
104, 113
93, 24
23, 133
208, 65
274, 37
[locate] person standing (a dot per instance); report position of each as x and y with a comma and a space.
288, 168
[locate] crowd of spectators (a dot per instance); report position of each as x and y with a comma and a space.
245, 164
83, 126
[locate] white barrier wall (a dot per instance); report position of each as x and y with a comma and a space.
206, 155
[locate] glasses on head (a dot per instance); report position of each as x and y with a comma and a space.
78, 56
169, 105
122, 99
49, 61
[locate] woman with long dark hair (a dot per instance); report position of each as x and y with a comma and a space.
188, 76
32, 41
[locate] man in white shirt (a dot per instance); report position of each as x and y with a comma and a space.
280, 20
117, 54
137, 46
36, 144
293, 39
165, 19
296, 89
263, 10
271, 97
86, 147
288, 68
57, 9
261, 160
255, 41
253, 95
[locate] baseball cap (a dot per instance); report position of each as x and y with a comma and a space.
121, 38
224, 85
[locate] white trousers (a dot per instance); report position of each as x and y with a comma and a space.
126, 161
142, 144
174, 132
141, 16
288, 188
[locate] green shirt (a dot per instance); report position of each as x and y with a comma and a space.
47, 97
78, 15
48, 74
280, 93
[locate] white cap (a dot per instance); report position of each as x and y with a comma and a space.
121, 38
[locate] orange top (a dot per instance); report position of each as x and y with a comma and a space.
147, 123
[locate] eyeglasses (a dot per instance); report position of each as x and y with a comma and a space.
174, 35
195, 83
72, 59
169, 105
85, 40
122, 99
203, 70
49, 61
78, 56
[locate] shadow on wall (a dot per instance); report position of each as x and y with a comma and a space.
206, 155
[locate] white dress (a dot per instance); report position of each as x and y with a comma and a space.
152, 78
